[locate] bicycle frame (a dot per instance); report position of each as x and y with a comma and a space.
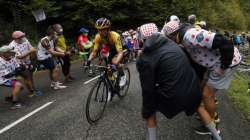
113, 85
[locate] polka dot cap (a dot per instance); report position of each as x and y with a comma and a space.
147, 30
170, 27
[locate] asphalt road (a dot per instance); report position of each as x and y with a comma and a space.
63, 118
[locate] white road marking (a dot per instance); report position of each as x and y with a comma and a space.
24, 117
92, 79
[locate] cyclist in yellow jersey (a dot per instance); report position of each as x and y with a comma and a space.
110, 38
113, 41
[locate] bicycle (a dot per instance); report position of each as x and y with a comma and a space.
99, 93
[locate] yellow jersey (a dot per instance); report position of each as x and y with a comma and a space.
113, 41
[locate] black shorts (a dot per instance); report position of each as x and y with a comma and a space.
26, 73
48, 63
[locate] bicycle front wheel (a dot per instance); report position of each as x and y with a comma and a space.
96, 102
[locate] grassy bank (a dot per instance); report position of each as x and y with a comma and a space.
238, 93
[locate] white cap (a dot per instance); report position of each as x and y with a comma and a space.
174, 18
6, 48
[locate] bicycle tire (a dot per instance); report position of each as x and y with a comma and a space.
96, 94
124, 90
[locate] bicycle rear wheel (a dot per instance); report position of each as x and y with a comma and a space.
124, 89
96, 102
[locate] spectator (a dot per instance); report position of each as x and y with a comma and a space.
61, 45
169, 84
84, 44
192, 19
24, 50
174, 18
243, 39
46, 52
8, 69
236, 40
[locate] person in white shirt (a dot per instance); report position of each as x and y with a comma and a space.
46, 52
24, 51
8, 71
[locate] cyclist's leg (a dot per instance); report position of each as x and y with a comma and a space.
121, 76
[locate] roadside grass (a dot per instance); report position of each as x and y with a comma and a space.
238, 93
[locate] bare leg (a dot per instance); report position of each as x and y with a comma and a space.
16, 90
152, 124
208, 121
209, 100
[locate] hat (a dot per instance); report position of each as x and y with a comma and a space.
84, 30
174, 18
147, 30
6, 48
170, 27
17, 34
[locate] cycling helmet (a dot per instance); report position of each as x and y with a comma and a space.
102, 23
17, 34
147, 30
170, 27
174, 18
84, 30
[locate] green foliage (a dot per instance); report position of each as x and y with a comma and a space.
239, 95
227, 14
125, 14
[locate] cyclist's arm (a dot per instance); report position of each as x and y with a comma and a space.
119, 57
118, 46
93, 54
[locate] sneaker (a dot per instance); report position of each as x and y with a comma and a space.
212, 138
59, 86
122, 81
216, 118
9, 99
203, 130
91, 73
35, 93
31, 95
16, 106
59, 83
67, 80
216, 101
109, 96
53, 84
72, 78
